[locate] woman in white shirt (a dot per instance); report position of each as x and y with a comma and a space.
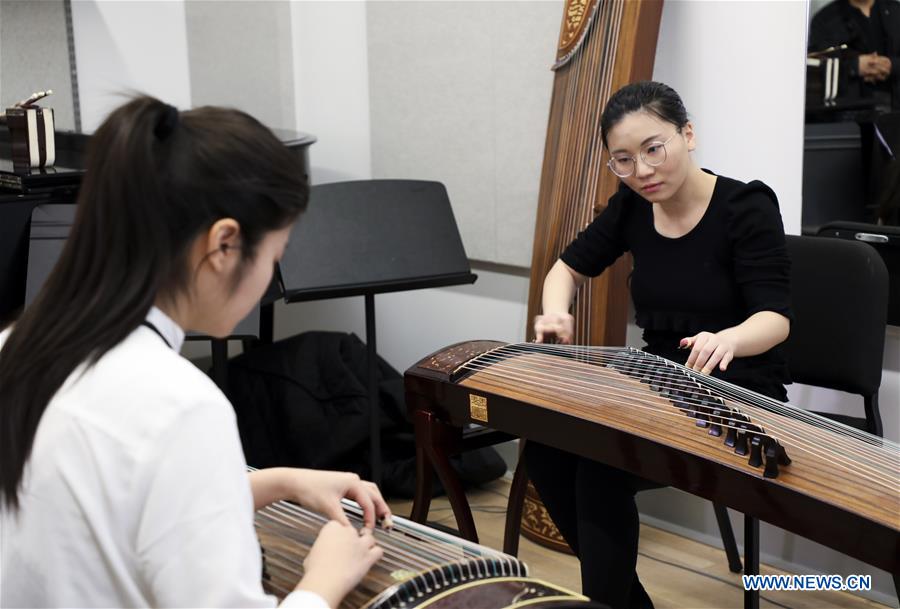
122, 480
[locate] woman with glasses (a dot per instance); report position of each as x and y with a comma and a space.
710, 288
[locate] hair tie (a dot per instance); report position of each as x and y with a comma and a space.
166, 123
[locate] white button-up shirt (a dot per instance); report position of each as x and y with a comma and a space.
136, 492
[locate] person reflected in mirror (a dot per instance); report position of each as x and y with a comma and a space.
870, 29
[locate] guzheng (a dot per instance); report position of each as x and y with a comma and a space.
807, 474
421, 566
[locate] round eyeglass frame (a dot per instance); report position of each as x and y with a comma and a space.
641, 153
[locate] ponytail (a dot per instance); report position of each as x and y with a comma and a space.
155, 178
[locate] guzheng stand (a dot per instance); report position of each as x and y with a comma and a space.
371, 237
440, 434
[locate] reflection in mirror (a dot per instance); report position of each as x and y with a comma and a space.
851, 166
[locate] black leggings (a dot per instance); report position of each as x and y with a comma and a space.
593, 506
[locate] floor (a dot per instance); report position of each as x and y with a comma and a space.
676, 571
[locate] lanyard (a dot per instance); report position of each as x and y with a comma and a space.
155, 329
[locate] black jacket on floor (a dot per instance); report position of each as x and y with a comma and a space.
302, 402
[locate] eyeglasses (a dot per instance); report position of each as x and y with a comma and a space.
653, 154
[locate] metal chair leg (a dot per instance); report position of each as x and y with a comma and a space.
751, 558
873, 417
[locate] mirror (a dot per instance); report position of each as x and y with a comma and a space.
852, 126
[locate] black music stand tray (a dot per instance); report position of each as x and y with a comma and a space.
371, 237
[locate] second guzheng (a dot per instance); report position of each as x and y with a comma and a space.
657, 419
421, 567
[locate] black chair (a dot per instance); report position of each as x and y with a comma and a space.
886, 241
839, 292
840, 298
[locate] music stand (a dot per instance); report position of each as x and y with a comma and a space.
372, 237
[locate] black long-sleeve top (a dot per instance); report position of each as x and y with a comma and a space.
732, 264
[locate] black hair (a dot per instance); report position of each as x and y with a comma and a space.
654, 97
155, 180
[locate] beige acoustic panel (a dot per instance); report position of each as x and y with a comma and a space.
34, 56
459, 93
240, 55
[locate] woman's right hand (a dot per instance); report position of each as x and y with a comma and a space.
560, 326
338, 560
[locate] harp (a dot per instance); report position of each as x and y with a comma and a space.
659, 420
421, 566
603, 45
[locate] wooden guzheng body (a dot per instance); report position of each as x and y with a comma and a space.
421, 567
659, 420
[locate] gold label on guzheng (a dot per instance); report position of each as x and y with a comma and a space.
401, 575
478, 408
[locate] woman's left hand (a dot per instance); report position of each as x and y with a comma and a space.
322, 491
708, 350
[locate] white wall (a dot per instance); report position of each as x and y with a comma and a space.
453, 101
241, 56
331, 82
739, 66
127, 47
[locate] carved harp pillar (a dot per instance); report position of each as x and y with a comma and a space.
603, 45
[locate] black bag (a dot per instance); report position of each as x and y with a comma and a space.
302, 402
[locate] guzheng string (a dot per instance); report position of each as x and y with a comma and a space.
876, 462
789, 411
815, 420
402, 548
408, 561
691, 379
874, 469
409, 549
725, 389
863, 454
784, 434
